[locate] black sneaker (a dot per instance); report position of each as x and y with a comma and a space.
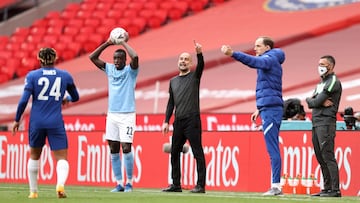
173, 188
198, 189
321, 192
333, 193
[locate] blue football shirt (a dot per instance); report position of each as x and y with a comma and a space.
47, 87
121, 85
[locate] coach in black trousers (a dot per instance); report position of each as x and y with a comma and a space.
325, 104
184, 98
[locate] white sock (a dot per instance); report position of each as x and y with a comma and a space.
276, 185
33, 170
62, 171
129, 181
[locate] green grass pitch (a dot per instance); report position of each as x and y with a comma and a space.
15, 193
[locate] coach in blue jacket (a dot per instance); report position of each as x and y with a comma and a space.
269, 101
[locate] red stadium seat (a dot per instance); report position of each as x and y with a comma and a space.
3, 40
22, 54
11, 65
68, 54
106, 26
71, 30
3, 78
101, 14
72, 7
40, 23
34, 38
75, 22
30, 63
7, 68
51, 40
13, 46
67, 15
5, 54
28, 47
151, 5
88, 6
2, 62
119, 7
17, 39
34, 30
53, 15
135, 6
83, 14
104, 6
54, 30
197, 6
76, 48
56, 22
82, 37
66, 39
21, 31
114, 14
87, 29
92, 22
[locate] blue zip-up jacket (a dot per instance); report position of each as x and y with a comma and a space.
269, 76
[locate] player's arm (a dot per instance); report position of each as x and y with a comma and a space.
94, 56
200, 60
73, 93
318, 100
134, 63
247, 59
20, 109
168, 113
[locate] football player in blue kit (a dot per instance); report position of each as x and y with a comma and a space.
47, 87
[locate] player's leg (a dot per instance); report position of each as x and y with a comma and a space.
36, 141
113, 138
193, 133
177, 141
271, 126
59, 145
128, 157
329, 167
127, 131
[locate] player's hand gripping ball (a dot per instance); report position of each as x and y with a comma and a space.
118, 35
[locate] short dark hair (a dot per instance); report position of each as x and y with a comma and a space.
121, 51
47, 56
268, 41
329, 58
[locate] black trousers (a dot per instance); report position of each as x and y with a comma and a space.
187, 129
323, 138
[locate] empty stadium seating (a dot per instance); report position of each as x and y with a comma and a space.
69, 30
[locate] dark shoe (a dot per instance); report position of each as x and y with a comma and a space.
173, 188
321, 192
333, 193
198, 189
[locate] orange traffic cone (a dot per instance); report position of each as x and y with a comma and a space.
313, 189
286, 188
300, 188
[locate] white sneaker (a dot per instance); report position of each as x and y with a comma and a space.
273, 192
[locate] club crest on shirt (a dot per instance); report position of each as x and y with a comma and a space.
300, 5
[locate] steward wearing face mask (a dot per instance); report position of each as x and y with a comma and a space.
325, 104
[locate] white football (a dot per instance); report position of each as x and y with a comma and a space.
117, 35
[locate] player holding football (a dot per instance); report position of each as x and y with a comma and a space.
121, 117
47, 86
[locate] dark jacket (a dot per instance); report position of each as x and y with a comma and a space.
328, 88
